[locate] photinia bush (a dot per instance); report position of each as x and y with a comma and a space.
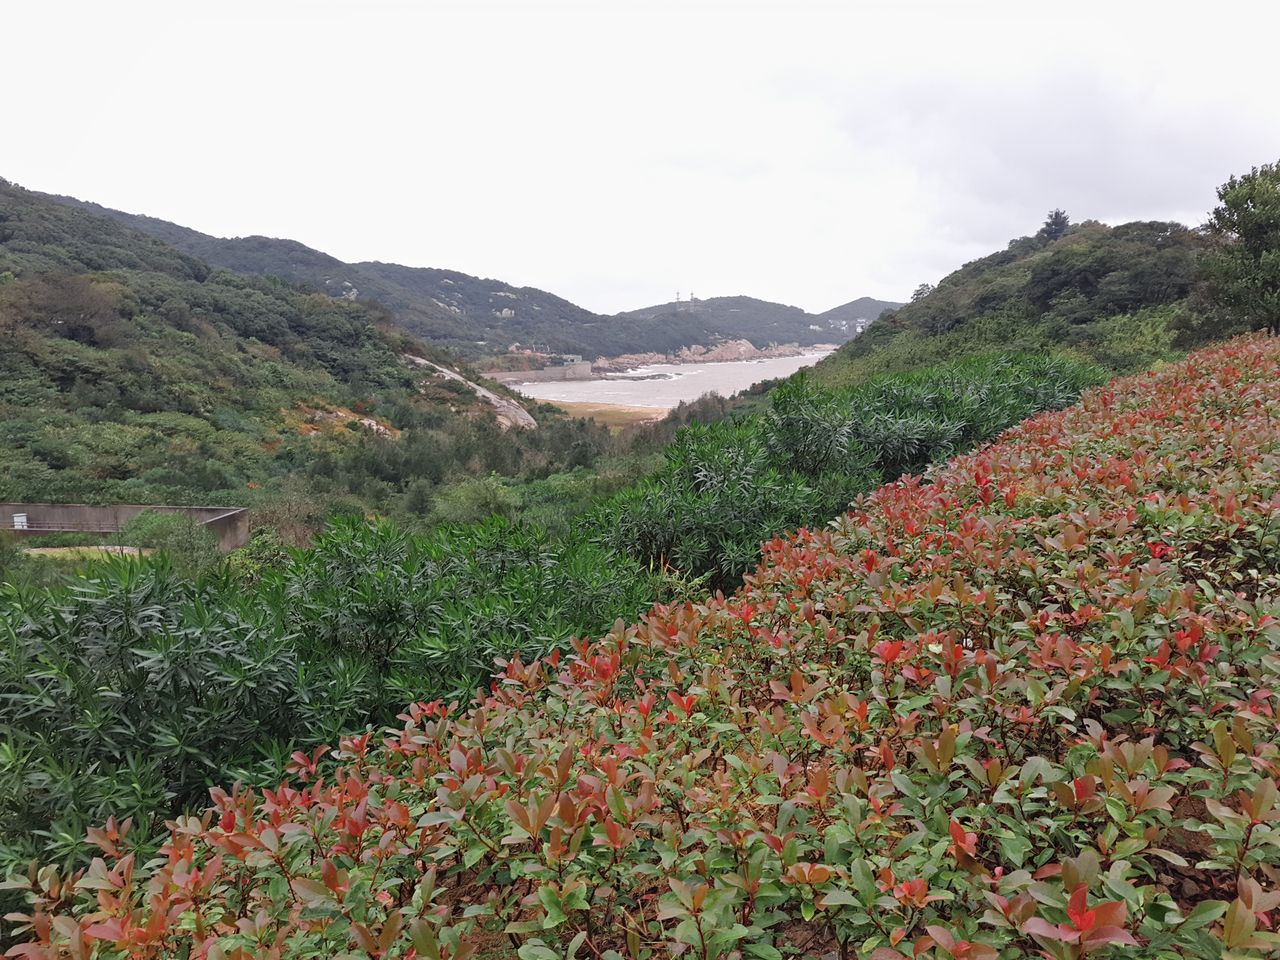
1025, 705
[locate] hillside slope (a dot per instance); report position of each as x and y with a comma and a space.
759, 321
855, 314
1116, 294
138, 373
1025, 705
483, 316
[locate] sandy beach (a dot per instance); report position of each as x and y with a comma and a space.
613, 416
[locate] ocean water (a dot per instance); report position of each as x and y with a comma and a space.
664, 385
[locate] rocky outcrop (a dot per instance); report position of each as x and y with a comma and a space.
723, 352
509, 413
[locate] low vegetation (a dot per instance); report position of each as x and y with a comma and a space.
1024, 705
727, 487
135, 687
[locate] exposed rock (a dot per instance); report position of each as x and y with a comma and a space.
723, 352
509, 413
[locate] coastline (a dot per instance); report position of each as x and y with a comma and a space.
731, 351
665, 386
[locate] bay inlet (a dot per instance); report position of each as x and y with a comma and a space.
662, 386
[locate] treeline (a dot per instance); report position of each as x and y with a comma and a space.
480, 317
1124, 297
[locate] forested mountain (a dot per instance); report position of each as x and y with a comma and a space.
482, 316
134, 372
856, 313
759, 321
1119, 295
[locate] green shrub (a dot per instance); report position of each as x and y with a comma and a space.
720, 495
727, 487
134, 687
265, 551
473, 500
190, 545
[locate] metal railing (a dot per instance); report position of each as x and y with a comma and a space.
64, 526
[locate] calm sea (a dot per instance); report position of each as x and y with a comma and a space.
664, 385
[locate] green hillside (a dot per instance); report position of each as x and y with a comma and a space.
1002, 705
135, 372
856, 313
1118, 295
759, 321
482, 316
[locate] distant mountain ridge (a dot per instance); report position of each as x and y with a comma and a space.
479, 316
857, 313
136, 372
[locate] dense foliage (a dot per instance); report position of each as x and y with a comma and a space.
133, 688
1120, 296
1244, 268
1025, 705
729, 486
287, 648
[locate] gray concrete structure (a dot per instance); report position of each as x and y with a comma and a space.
564, 371
229, 524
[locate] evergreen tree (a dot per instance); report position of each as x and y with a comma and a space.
1055, 225
1243, 270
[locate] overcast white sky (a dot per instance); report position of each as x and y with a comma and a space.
616, 152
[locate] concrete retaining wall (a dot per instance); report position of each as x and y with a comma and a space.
565, 371
229, 524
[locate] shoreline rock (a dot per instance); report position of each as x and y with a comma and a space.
726, 352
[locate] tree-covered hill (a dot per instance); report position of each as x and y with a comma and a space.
482, 316
135, 372
855, 314
1119, 295
759, 321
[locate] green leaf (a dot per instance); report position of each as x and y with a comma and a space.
536, 950
550, 901
840, 898
424, 939
1206, 911
1015, 849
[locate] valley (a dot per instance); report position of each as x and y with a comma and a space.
400, 561
792, 651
